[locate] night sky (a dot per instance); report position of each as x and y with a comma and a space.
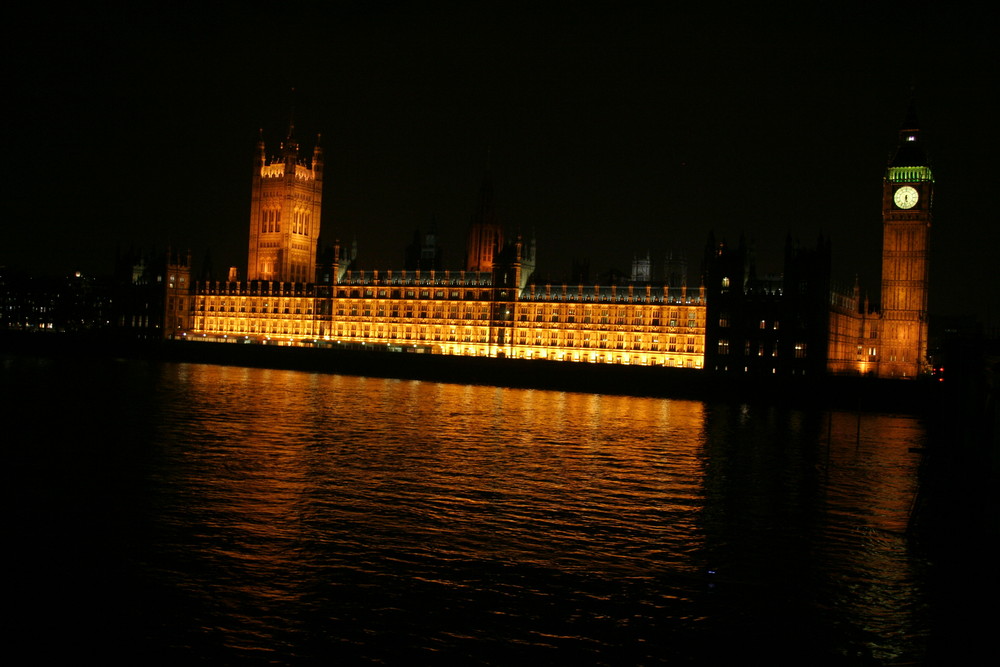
609, 132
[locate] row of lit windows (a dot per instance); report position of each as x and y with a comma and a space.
371, 293
253, 326
763, 325
470, 318
605, 311
761, 349
429, 279
603, 342
609, 357
354, 307
616, 297
636, 321
255, 306
420, 335
255, 288
262, 311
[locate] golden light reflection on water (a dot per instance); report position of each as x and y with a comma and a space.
541, 463
870, 493
302, 485
241, 516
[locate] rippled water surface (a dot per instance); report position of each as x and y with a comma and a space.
195, 514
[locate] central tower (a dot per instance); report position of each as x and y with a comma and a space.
907, 198
285, 213
485, 232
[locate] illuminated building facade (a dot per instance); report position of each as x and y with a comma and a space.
735, 322
472, 313
489, 309
853, 341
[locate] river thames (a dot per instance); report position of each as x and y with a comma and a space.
196, 514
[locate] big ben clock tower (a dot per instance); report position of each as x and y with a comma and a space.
907, 198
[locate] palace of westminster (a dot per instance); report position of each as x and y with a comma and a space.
732, 322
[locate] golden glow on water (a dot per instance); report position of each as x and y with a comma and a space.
871, 488
535, 474
296, 518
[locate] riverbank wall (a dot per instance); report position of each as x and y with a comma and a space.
854, 393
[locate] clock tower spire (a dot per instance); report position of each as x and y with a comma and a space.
907, 197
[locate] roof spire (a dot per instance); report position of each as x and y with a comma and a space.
290, 146
261, 147
910, 123
909, 152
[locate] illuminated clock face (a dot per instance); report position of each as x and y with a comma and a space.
906, 197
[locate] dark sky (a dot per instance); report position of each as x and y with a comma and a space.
610, 132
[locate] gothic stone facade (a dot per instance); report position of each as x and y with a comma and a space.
788, 325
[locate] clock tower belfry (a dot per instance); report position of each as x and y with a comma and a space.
907, 198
